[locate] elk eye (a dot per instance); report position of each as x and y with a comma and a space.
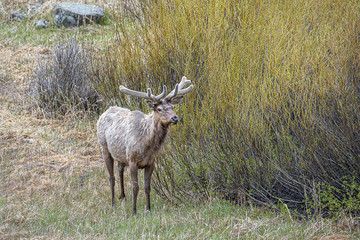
159, 109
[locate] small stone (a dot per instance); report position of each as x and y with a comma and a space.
41, 24
29, 140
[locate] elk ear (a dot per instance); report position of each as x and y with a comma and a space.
176, 100
150, 104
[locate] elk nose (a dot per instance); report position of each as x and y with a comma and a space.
175, 119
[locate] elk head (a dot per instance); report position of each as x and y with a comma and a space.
162, 104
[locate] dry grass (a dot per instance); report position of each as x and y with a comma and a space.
40, 149
35, 152
37, 156
20, 61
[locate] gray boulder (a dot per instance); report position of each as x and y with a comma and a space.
76, 14
41, 24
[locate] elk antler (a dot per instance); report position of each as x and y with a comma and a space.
179, 91
147, 95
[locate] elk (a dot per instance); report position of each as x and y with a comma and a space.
134, 139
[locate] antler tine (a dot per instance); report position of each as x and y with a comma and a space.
178, 88
186, 90
173, 93
149, 93
163, 94
184, 82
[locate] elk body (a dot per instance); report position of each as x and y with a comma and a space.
134, 139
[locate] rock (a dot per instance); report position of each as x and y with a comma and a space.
41, 24
16, 16
29, 140
76, 14
67, 21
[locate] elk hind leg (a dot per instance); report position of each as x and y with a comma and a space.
109, 161
121, 168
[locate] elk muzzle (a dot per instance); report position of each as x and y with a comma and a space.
175, 119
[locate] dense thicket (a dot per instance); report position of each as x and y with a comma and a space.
274, 117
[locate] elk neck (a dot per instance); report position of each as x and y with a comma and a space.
158, 131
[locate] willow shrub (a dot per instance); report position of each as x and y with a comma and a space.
275, 110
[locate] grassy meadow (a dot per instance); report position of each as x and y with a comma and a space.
267, 146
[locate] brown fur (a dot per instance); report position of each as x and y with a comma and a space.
133, 139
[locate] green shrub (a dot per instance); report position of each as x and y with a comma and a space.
336, 201
276, 100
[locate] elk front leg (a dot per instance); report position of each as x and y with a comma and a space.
121, 168
134, 179
147, 178
109, 161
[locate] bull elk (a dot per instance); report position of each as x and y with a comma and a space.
134, 139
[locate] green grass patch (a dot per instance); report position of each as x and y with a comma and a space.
82, 209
